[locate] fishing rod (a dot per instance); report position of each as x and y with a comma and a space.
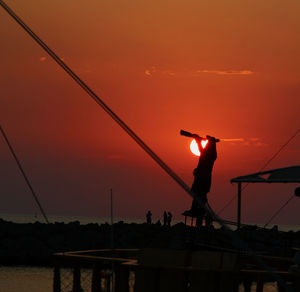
196, 136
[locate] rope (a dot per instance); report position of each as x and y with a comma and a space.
24, 174
96, 98
236, 240
100, 102
283, 146
278, 211
266, 164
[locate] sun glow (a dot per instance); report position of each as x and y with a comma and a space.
194, 146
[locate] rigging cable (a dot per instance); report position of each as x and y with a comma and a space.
99, 101
24, 174
278, 211
265, 165
236, 240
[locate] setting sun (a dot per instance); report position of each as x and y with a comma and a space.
194, 146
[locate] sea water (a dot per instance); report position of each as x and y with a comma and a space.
26, 279
37, 279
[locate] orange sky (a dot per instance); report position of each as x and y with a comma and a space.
223, 68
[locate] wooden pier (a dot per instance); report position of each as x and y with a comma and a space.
166, 270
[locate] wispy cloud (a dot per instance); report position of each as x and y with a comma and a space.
245, 141
227, 72
170, 73
153, 70
233, 140
150, 71
166, 72
43, 59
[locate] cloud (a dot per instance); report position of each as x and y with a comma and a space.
227, 72
153, 70
43, 59
150, 71
170, 73
233, 140
254, 142
245, 141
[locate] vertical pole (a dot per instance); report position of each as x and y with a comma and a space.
112, 240
56, 279
121, 279
96, 280
239, 205
260, 285
111, 220
76, 280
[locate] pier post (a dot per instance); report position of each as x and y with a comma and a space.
260, 285
96, 280
56, 279
76, 280
121, 279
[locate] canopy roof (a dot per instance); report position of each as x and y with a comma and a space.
280, 175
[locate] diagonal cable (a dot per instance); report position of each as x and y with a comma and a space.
24, 174
278, 211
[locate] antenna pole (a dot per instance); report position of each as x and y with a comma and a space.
112, 219
112, 241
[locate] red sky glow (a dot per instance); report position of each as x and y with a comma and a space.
228, 69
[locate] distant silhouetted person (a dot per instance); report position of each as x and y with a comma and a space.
165, 218
169, 218
202, 176
149, 217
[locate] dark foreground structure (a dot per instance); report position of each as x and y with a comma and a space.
167, 270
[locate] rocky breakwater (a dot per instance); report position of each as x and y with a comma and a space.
34, 243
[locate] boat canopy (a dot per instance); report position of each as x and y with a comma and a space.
289, 174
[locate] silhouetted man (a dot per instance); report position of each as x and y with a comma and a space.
149, 217
165, 218
169, 218
202, 175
